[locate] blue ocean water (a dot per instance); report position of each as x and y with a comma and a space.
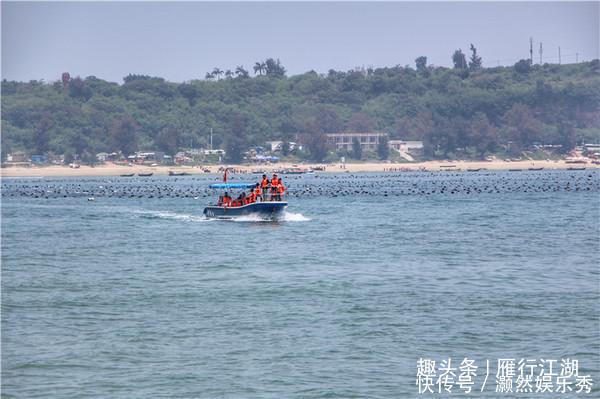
135, 294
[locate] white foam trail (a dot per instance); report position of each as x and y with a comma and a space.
294, 217
285, 217
253, 217
173, 216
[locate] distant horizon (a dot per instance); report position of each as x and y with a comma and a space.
183, 41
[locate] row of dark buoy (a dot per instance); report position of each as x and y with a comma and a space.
324, 185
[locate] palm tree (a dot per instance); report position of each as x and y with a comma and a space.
217, 72
209, 76
228, 74
240, 71
259, 67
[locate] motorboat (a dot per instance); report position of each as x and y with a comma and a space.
266, 208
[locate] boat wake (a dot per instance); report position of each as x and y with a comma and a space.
294, 217
171, 215
284, 217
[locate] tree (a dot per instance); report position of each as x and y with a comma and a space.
189, 92
124, 135
567, 137
383, 149
285, 148
328, 119
209, 76
273, 68
132, 77
421, 63
475, 61
240, 72
88, 158
66, 78
228, 74
356, 149
360, 123
41, 134
78, 89
168, 140
217, 73
459, 60
522, 126
482, 134
79, 141
236, 141
523, 66
68, 158
315, 140
259, 67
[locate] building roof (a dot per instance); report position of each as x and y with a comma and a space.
356, 133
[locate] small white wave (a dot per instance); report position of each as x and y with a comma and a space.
172, 216
294, 217
284, 217
252, 217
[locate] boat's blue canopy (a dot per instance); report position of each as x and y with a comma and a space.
224, 186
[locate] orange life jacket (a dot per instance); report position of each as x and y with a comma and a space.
274, 182
257, 191
281, 188
264, 183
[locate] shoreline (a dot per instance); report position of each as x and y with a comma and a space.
429, 166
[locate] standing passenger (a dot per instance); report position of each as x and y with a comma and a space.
280, 190
264, 184
274, 184
257, 191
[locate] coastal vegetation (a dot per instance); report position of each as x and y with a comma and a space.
467, 111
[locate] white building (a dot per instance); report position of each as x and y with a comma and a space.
343, 141
405, 146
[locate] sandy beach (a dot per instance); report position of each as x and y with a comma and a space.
116, 170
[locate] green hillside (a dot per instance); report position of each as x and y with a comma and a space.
461, 111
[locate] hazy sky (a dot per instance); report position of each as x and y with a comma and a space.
182, 41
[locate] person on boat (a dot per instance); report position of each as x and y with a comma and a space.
250, 198
257, 192
220, 201
226, 200
240, 200
274, 185
280, 190
264, 184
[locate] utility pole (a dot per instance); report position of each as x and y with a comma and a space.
531, 50
541, 51
211, 138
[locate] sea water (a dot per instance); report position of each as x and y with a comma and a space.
135, 296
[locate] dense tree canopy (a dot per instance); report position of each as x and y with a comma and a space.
451, 110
